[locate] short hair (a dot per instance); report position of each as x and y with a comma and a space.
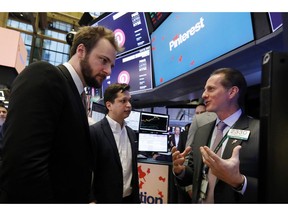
233, 77
2, 104
89, 36
111, 91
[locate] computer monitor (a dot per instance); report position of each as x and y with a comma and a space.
154, 122
134, 69
98, 111
152, 142
130, 29
133, 120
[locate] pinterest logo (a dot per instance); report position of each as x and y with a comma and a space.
120, 37
124, 77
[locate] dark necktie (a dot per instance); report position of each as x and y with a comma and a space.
212, 178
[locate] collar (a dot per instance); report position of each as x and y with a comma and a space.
75, 77
115, 126
230, 121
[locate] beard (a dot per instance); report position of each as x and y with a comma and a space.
87, 74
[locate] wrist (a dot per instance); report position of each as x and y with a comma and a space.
240, 186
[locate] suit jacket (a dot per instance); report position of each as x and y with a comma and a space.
108, 177
198, 121
181, 142
224, 193
47, 146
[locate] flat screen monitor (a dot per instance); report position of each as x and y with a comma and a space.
154, 122
185, 41
130, 29
157, 18
133, 120
152, 142
98, 111
134, 69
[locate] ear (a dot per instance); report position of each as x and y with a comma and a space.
233, 91
81, 51
108, 105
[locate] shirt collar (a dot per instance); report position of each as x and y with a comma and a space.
115, 126
230, 121
75, 77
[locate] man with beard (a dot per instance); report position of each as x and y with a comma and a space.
47, 147
115, 151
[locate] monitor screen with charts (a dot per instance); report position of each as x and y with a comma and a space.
154, 122
151, 142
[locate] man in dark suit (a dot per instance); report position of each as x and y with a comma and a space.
177, 139
198, 120
234, 161
115, 151
47, 147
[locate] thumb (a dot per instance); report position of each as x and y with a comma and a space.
236, 150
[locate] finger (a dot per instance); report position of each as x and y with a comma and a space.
205, 156
174, 149
178, 162
186, 151
235, 153
175, 155
211, 154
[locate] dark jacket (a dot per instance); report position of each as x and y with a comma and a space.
46, 155
224, 193
108, 177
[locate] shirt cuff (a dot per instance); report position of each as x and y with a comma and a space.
180, 175
242, 188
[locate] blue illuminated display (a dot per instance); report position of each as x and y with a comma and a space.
185, 41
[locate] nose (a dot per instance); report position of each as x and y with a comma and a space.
107, 70
129, 104
204, 95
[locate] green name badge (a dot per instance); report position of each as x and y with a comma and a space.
238, 134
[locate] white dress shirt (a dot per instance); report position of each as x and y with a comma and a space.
75, 77
125, 153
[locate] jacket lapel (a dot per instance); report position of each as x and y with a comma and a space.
74, 89
109, 135
242, 124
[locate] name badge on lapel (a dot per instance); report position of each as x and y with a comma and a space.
238, 134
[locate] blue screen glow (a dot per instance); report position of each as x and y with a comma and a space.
185, 41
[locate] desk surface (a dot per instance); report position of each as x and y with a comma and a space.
151, 160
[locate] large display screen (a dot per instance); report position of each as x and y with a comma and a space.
157, 18
134, 69
154, 122
130, 29
151, 142
184, 41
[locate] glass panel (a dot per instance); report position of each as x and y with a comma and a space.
60, 47
52, 56
59, 57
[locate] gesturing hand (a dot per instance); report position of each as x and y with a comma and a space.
178, 159
225, 169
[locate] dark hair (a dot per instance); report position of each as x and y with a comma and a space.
233, 77
2, 104
110, 93
89, 36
